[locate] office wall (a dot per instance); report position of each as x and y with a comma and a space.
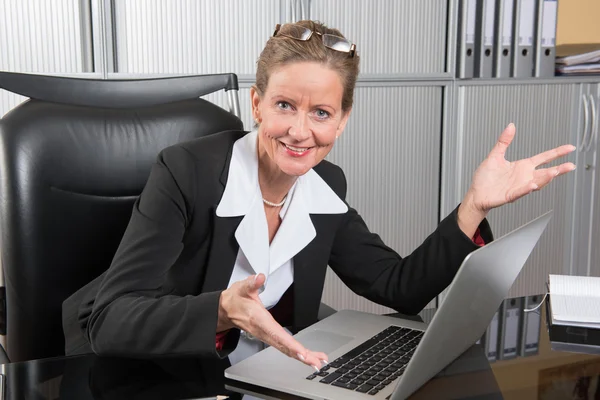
578, 21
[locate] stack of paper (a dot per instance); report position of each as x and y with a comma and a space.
575, 300
574, 59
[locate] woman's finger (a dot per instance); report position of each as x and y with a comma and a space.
252, 284
505, 139
551, 155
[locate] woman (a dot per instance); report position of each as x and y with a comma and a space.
233, 232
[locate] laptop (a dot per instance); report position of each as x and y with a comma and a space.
378, 357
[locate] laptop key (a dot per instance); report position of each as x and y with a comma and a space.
311, 377
322, 373
373, 382
373, 392
343, 380
364, 388
331, 377
344, 385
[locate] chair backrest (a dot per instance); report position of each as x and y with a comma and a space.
73, 159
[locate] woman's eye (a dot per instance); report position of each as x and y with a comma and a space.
283, 105
322, 114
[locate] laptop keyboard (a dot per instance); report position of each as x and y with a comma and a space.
374, 364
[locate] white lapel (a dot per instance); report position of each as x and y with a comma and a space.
242, 196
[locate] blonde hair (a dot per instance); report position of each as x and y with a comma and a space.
282, 50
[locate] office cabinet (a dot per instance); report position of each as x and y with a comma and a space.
594, 263
42, 36
392, 36
586, 222
546, 116
390, 155
189, 36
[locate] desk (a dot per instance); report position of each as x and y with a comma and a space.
545, 374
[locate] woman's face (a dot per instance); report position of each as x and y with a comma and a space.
300, 116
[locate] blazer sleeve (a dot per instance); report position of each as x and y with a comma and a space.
407, 284
134, 314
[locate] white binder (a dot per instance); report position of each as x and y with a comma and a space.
509, 329
466, 39
531, 324
523, 37
484, 38
545, 43
503, 38
491, 338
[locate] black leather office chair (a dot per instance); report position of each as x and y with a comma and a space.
73, 159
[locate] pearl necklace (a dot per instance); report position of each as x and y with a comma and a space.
267, 202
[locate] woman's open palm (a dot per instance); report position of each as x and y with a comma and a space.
498, 181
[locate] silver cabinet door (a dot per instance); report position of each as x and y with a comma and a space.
50, 36
190, 36
593, 154
390, 153
392, 36
545, 117
584, 184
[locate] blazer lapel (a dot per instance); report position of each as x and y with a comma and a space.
223, 247
310, 266
222, 255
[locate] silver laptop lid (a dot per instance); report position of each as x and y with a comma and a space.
478, 289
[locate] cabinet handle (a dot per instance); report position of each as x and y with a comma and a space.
593, 124
586, 123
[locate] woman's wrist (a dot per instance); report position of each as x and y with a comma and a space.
469, 216
223, 321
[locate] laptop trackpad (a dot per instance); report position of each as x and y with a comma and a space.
323, 341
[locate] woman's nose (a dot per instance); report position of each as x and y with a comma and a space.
299, 130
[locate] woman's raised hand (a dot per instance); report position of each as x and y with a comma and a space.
498, 181
240, 307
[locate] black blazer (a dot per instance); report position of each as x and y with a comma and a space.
161, 294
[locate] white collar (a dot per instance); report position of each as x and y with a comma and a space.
242, 185
242, 196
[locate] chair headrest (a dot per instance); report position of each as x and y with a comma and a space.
126, 93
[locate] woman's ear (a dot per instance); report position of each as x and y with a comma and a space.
255, 102
343, 123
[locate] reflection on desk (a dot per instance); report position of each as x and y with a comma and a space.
540, 374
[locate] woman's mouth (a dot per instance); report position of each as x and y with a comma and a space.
296, 151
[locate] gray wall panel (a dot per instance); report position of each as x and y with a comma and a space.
543, 115
40, 36
392, 36
390, 155
189, 36
9, 100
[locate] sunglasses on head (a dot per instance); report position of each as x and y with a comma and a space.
304, 34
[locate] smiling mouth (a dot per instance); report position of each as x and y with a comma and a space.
297, 150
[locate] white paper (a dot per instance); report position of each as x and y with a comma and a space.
575, 299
